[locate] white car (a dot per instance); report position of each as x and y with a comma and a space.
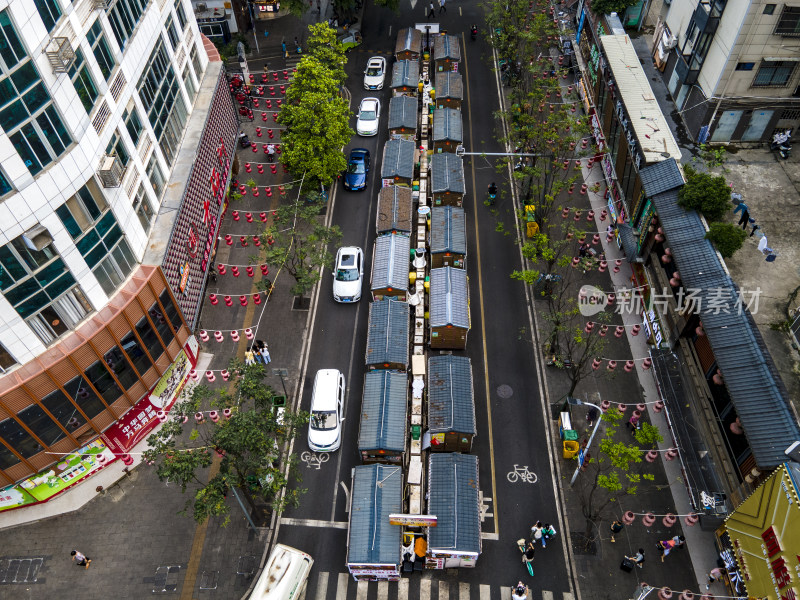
327, 401
348, 274
375, 73
369, 113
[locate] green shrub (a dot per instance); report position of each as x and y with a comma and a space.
727, 237
707, 194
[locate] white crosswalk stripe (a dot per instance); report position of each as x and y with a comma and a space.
429, 586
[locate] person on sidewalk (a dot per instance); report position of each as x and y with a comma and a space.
284, 49
519, 592
616, 527
666, 546
264, 352
256, 353
431, 12
83, 560
637, 558
271, 153
442, 7
591, 417
537, 533
249, 359
716, 575
633, 423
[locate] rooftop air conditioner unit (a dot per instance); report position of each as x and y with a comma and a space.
671, 42
111, 171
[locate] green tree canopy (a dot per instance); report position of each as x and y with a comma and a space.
606, 7
247, 447
727, 237
705, 193
323, 46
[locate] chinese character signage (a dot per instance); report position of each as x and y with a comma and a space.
765, 535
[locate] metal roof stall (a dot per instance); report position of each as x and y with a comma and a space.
449, 90
448, 130
383, 430
447, 179
451, 403
454, 498
373, 545
408, 45
405, 78
395, 210
449, 308
448, 237
403, 116
398, 166
446, 53
390, 266
388, 335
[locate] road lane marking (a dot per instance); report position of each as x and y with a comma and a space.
485, 592
362, 588
444, 590
313, 523
341, 586
402, 588
322, 585
547, 595
463, 591
383, 590
425, 589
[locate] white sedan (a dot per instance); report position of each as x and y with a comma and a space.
369, 113
348, 273
375, 73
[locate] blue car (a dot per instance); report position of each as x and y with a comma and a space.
357, 168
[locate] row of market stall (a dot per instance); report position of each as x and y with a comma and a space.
415, 502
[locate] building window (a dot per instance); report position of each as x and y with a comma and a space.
745, 66
188, 83
27, 114
123, 16
149, 338
6, 360
171, 310
19, 439
83, 82
789, 22
198, 71
102, 381
64, 411
136, 353
172, 34
774, 73
117, 146
40, 288
155, 175
117, 362
133, 123
143, 208
769, 9
100, 49
81, 211
40, 423
181, 14
49, 11
162, 324
116, 267
5, 186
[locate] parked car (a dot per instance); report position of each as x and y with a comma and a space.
348, 274
369, 113
357, 169
375, 73
327, 401
350, 38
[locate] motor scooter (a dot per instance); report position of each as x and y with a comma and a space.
244, 141
781, 143
473, 32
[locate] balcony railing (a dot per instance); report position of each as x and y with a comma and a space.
60, 54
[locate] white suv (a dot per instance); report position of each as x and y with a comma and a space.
327, 402
348, 274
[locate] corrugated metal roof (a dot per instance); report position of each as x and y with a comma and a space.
403, 112
629, 243
383, 411
409, 39
449, 304
398, 159
453, 498
648, 122
449, 85
387, 335
448, 230
447, 173
377, 493
446, 46
660, 177
451, 400
756, 390
405, 73
395, 209
390, 263
447, 125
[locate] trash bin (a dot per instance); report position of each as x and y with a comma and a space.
570, 434
570, 448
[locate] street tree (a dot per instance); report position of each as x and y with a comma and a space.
705, 193
323, 46
297, 241
244, 451
606, 7
616, 470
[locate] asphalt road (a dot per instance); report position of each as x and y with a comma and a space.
510, 413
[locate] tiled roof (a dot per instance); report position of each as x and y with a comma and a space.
447, 125
449, 304
395, 209
398, 159
448, 230
451, 400
377, 493
449, 85
447, 173
405, 73
383, 411
390, 263
388, 333
453, 498
660, 177
409, 39
446, 46
403, 112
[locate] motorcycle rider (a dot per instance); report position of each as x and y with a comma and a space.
520, 592
492, 190
473, 31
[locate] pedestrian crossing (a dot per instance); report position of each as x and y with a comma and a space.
430, 585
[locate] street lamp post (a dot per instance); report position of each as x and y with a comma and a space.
578, 402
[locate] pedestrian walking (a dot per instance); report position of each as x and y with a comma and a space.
528, 553
537, 533
666, 546
257, 354
633, 422
431, 11
616, 527
249, 359
265, 354
745, 219
83, 560
284, 49
548, 532
442, 7
638, 558
716, 575
297, 45
591, 417
271, 153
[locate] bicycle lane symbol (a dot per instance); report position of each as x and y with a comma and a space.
314, 460
522, 474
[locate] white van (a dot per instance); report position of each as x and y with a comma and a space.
284, 576
327, 402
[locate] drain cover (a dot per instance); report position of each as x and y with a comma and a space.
505, 391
